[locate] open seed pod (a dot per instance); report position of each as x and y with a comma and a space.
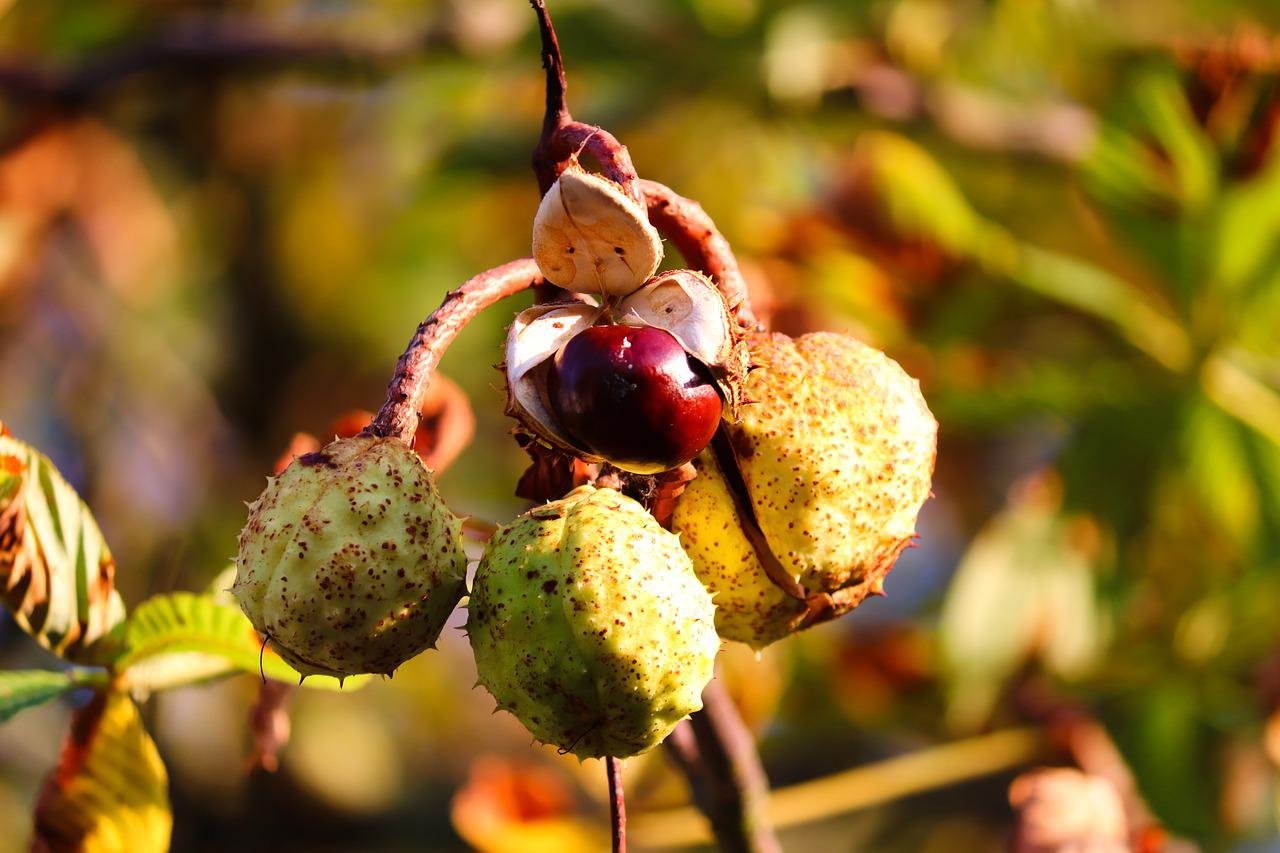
643, 384
686, 304
803, 510
590, 237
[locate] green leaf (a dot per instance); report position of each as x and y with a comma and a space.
1096, 292
1219, 467
1245, 231
1165, 738
184, 637
22, 689
917, 195
1235, 389
57, 576
1025, 588
920, 200
110, 791
1168, 116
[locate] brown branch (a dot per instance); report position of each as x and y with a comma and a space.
557, 113
399, 414
682, 750
691, 230
202, 48
728, 781
617, 805
563, 140
189, 51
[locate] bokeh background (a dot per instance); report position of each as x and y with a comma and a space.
220, 222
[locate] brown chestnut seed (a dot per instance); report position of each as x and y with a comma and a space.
634, 396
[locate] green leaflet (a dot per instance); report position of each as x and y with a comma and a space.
184, 637
22, 689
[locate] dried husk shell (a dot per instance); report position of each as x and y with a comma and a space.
836, 457
533, 339
590, 237
686, 304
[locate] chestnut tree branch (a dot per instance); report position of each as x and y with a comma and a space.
725, 774
563, 140
197, 48
399, 414
691, 230
714, 747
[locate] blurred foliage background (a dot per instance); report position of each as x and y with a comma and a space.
220, 222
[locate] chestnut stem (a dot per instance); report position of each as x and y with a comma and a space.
720, 757
691, 230
399, 414
563, 139
557, 113
617, 805
479, 529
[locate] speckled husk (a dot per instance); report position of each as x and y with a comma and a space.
350, 561
589, 625
837, 454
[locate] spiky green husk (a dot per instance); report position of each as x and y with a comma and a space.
350, 561
589, 625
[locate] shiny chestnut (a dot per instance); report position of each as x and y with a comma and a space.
634, 395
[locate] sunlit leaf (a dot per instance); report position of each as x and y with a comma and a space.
1168, 116
916, 194
1080, 285
1220, 470
1238, 392
21, 689
185, 637
1155, 170
1122, 173
920, 200
109, 793
1245, 232
57, 576
1024, 588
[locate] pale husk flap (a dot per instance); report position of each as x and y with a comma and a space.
687, 305
533, 339
589, 237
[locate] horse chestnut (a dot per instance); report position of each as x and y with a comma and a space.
635, 396
642, 382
